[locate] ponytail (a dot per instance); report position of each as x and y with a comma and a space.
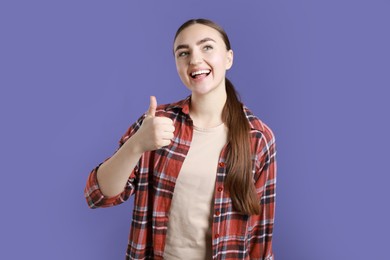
239, 180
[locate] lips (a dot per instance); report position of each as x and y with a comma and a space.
200, 73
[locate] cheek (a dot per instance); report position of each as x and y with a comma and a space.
179, 67
218, 59
219, 64
181, 71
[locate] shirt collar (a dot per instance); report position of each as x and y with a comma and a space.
184, 105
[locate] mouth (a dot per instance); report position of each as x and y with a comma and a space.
200, 74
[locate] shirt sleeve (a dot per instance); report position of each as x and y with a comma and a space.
92, 192
265, 182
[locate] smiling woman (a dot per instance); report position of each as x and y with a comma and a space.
203, 169
202, 58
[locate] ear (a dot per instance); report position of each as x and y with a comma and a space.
229, 57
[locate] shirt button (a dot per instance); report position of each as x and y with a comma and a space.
221, 164
220, 189
216, 236
217, 213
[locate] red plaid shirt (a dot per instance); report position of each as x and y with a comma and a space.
235, 235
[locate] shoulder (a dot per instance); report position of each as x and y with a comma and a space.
258, 126
256, 123
262, 139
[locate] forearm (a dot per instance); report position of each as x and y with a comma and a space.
113, 174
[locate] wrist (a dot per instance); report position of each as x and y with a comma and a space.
134, 145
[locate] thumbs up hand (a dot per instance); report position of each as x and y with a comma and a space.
155, 132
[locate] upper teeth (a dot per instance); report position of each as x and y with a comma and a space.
200, 72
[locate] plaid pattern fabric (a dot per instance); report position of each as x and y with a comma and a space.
235, 235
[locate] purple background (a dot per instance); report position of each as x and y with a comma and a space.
75, 74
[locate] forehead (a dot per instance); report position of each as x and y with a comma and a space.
196, 32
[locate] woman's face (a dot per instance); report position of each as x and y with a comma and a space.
202, 59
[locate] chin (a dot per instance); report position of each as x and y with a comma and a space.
202, 90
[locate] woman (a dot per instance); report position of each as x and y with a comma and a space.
203, 169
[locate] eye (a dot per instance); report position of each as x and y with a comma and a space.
207, 47
182, 54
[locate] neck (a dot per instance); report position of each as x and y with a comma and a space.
206, 110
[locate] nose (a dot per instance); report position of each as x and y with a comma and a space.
195, 58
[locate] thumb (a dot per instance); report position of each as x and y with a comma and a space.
152, 107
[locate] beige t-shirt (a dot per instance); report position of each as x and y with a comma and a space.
191, 213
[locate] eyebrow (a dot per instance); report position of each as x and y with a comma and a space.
186, 46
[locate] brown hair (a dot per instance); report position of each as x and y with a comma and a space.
239, 181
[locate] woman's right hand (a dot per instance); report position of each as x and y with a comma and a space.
155, 132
